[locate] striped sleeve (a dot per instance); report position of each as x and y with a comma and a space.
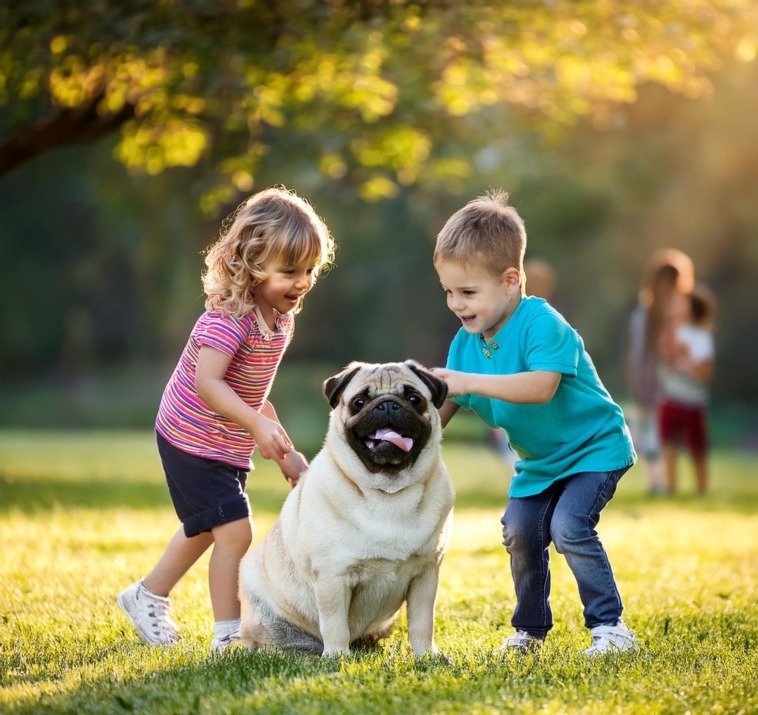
223, 333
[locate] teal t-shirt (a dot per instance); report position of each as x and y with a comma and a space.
581, 429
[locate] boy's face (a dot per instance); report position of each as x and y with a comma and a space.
482, 300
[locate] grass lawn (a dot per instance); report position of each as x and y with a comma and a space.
83, 514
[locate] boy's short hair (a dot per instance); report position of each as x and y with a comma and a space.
486, 231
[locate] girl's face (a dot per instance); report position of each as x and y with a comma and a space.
284, 286
482, 300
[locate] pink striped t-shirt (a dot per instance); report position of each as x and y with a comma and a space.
186, 421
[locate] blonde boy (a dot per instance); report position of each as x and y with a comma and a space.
521, 367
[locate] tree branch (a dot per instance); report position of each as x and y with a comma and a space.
79, 125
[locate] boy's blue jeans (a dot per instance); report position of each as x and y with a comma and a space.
565, 514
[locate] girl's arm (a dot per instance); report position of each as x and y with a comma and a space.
523, 388
269, 435
294, 463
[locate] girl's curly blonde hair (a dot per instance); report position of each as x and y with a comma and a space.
272, 224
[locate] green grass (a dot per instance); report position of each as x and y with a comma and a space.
84, 514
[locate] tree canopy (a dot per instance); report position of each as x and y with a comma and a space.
380, 91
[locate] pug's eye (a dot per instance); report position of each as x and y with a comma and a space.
359, 402
415, 399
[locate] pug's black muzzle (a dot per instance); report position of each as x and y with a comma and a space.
388, 434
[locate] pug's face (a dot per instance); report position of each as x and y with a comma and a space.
386, 411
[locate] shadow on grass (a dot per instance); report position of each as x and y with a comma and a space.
192, 688
270, 682
37, 496
386, 681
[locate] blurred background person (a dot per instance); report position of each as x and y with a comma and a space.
540, 278
668, 272
684, 374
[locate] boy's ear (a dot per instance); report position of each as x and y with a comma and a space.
512, 277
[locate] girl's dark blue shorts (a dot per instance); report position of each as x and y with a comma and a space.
205, 492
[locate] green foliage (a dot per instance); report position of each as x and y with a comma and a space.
376, 86
83, 514
585, 111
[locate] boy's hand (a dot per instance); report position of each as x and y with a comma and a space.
271, 439
292, 466
455, 381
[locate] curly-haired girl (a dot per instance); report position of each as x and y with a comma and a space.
215, 412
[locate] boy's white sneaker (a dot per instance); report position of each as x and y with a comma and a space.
149, 614
521, 642
611, 639
219, 645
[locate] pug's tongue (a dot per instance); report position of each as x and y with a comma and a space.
389, 435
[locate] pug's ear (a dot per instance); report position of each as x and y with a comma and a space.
436, 384
335, 385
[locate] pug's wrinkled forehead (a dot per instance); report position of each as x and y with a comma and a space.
385, 378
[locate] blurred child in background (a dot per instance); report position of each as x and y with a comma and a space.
684, 375
668, 272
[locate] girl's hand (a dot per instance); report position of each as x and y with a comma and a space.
271, 439
292, 466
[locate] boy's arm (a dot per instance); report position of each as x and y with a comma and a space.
447, 411
526, 388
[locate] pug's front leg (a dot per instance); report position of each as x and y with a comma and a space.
333, 603
422, 594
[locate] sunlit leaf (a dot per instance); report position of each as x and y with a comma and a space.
378, 188
381, 86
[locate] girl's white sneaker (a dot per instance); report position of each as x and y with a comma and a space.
149, 614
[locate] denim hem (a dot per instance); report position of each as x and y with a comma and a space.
216, 515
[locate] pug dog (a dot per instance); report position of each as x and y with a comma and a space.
365, 529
